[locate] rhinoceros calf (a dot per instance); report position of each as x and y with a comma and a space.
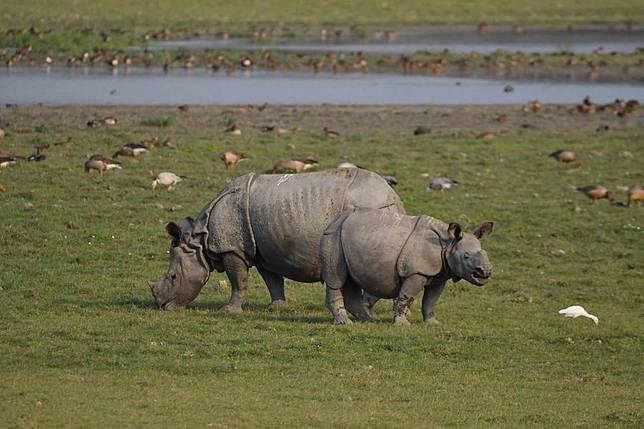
274, 222
392, 255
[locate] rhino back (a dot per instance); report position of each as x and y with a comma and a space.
289, 214
368, 189
372, 241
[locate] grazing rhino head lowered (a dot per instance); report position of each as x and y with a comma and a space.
271, 221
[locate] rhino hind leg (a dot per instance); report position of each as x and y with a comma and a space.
237, 272
369, 301
335, 304
275, 284
354, 302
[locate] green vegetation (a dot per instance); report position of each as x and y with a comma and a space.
83, 347
160, 122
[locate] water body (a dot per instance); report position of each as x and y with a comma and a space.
140, 87
410, 41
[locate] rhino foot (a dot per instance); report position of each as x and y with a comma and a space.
230, 308
401, 321
432, 321
278, 304
342, 318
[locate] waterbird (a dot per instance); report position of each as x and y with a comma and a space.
391, 180
167, 179
566, 156
131, 149
294, 165
2, 188
6, 161
93, 123
441, 184
420, 130
231, 158
234, 130
575, 311
508, 89
486, 136
635, 194
110, 120
2, 134
68, 142
596, 192
330, 133
100, 163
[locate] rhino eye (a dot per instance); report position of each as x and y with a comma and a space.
466, 255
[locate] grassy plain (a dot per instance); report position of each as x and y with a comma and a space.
81, 345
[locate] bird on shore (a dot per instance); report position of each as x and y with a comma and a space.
6, 161
100, 163
2, 134
234, 130
391, 180
575, 311
185, 108
294, 165
110, 120
232, 158
2, 188
347, 165
67, 143
330, 133
441, 184
596, 192
420, 130
565, 156
635, 194
167, 179
486, 136
131, 150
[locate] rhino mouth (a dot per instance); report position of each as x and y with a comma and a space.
479, 279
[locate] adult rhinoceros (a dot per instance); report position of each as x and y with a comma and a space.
271, 221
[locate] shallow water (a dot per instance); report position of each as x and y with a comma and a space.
139, 87
543, 41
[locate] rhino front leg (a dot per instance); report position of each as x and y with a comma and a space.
275, 284
432, 292
237, 272
335, 304
410, 288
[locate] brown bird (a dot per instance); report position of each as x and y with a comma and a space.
635, 194
231, 158
2, 134
93, 123
420, 130
184, 108
294, 165
2, 188
486, 136
596, 192
100, 163
330, 133
66, 144
110, 120
6, 161
565, 156
234, 130
131, 149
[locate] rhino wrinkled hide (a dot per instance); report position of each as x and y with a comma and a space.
392, 255
271, 221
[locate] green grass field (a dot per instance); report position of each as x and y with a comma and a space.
82, 346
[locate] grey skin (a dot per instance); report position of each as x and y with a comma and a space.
271, 221
392, 255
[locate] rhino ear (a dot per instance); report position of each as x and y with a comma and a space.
483, 230
174, 230
454, 231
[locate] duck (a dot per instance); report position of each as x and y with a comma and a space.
67, 143
131, 149
6, 161
294, 165
441, 184
565, 156
234, 130
330, 133
635, 194
167, 179
2, 188
37, 157
347, 165
246, 62
110, 120
93, 123
486, 136
231, 158
420, 130
391, 180
100, 163
575, 311
508, 88
185, 108
596, 192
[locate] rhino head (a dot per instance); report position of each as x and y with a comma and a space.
188, 272
465, 257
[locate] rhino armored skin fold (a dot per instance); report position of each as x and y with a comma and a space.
271, 221
392, 255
